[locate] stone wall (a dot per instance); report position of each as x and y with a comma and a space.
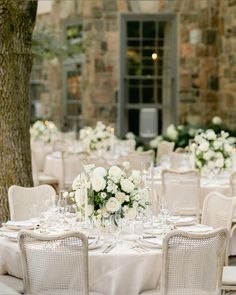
206, 50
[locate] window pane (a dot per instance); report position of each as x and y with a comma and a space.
161, 29
148, 95
134, 95
149, 30
73, 109
148, 82
148, 71
133, 29
133, 121
133, 43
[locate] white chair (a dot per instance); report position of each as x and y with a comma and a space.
233, 183
192, 263
54, 265
180, 161
22, 200
218, 210
10, 285
140, 160
40, 177
180, 191
164, 149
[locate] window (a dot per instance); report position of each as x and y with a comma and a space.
148, 70
72, 72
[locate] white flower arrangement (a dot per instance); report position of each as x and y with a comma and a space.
110, 190
213, 152
43, 131
97, 138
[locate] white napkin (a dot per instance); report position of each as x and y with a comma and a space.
152, 242
24, 224
196, 228
11, 235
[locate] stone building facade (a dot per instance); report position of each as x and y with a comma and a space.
205, 52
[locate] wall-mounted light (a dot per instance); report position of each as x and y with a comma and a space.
154, 56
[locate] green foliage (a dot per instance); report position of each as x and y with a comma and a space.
47, 44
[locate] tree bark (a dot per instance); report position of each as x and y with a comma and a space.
17, 20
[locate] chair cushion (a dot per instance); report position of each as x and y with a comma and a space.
5, 290
229, 275
13, 283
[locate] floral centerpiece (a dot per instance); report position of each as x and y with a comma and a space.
97, 138
212, 152
109, 191
43, 131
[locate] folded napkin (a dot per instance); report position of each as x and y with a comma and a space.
25, 224
11, 235
196, 228
153, 240
184, 221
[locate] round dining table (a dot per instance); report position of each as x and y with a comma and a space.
122, 271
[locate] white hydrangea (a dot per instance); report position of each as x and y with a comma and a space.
171, 132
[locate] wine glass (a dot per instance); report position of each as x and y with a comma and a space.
119, 223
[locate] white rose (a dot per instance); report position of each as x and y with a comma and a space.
204, 146
98, 183
171, 132
127, 198
130, 135
210, 134
207, 155
132, 213
217, 144
216, 120
115, 173
228, 163
100, 172
71, 194
198, 139
127, 185
228, 148
219, 162
112, 205
120, 197
136, 177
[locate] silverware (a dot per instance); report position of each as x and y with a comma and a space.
109, 248
112, 247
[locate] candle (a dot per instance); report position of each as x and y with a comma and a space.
234, 159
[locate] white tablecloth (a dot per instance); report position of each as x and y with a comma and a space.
123, 271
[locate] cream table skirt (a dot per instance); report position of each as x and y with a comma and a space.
123, 271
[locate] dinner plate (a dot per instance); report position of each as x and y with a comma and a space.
154, 243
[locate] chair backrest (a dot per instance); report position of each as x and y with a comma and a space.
218, 210
181, 191
22, 200
140, 160
180, 161
164, 148
54, 264
192, 263
233, 183
59, 146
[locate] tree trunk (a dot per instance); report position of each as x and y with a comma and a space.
17, 19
